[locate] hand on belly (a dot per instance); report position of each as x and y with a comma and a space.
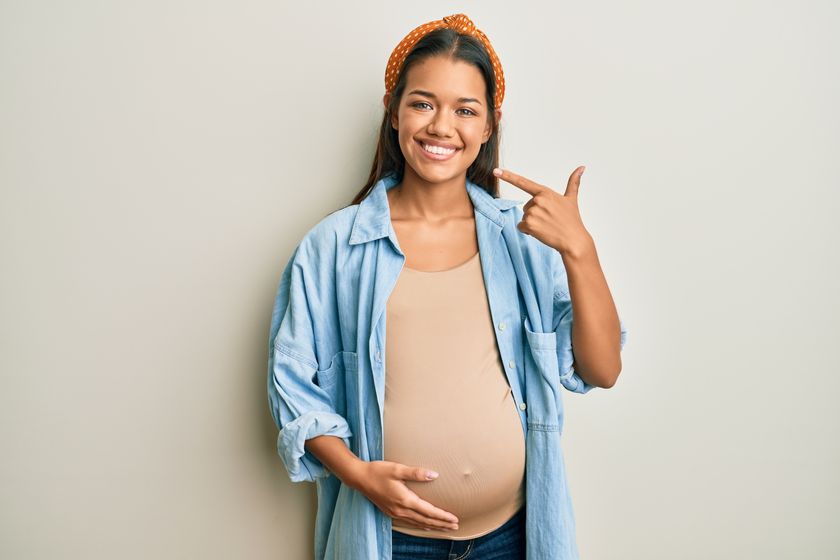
384, 484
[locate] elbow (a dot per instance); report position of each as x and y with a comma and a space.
607, 378
602, 377
610, 382
612, 379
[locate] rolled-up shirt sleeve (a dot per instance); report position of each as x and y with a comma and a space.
302, 410
300, 407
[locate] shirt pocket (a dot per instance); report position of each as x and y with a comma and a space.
543, 380
333, 379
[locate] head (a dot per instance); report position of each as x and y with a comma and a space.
445, 93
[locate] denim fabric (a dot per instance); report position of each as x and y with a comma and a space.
326, 361
504, 543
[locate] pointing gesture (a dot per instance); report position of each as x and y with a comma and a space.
551, 217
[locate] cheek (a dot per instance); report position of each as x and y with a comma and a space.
409, 127
476, 132
475, 142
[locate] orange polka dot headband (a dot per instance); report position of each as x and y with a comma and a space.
459, 22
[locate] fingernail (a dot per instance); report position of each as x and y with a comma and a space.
431, 474
497, 172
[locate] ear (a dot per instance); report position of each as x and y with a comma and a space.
488, 129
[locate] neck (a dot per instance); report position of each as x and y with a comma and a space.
416, 198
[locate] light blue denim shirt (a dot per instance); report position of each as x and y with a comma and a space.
326, 373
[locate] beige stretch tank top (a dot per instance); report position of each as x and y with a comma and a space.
448, 404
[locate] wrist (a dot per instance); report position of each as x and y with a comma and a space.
582, 251
353, 473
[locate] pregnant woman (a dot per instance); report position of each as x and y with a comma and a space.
420, 335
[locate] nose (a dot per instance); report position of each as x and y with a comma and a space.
440, 124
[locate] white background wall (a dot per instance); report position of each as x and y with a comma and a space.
159, 161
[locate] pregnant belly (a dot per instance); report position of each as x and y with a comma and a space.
481, 461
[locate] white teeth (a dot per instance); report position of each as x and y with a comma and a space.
436, 149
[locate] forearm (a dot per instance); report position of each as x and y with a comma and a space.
337, 458
596, 329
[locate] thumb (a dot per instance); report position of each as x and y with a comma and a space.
419, 473
573, 186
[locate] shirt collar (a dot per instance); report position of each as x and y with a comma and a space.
373, 219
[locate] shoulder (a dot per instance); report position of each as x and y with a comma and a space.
331, 232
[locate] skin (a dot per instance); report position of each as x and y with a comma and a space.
434, 220
431, 211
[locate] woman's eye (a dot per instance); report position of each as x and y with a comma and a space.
469, 112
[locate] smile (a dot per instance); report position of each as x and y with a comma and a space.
435, 152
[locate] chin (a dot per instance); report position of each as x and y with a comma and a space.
443, 177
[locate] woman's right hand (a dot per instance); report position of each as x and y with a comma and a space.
382, 483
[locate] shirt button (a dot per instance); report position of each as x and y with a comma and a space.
378, 356
522, 406
512, 364
502, 326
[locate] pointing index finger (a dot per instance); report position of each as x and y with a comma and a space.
526, 185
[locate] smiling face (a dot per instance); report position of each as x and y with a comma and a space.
444, 104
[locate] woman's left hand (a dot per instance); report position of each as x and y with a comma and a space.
551, 217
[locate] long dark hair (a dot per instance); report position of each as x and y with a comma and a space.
389, 159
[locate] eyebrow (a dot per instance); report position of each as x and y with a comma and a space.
433, 96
